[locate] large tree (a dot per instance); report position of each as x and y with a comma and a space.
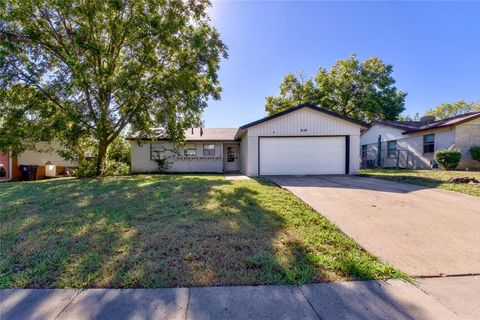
88, 69
447, 110
360, 90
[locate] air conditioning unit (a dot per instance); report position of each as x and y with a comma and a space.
89, 154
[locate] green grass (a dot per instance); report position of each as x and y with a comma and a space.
428, 178
169, 231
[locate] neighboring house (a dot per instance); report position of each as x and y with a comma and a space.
302, 140
45, 157
412, 144
7, 167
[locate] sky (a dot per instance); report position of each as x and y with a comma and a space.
434, 48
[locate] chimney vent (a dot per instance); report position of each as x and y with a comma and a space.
427, 119
201, 131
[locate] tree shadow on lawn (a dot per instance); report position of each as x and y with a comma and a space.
421, 181
428, 182
166, 231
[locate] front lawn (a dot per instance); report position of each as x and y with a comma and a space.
428, 178
169, 231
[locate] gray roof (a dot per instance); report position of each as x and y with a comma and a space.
415, 126
403, 125
452, 121
197, 134
210, 134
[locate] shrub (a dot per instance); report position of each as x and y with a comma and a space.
115, 168
162, 164
119, 151
118, 158
117, 161
87, 168
475, 152
449, 158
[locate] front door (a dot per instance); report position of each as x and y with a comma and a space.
230, 162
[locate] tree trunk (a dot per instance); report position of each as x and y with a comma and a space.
101, 157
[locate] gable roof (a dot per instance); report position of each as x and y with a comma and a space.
452, 121
305, 105
197, 134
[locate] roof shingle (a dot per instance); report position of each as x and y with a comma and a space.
415, 126
198, 134
452, 121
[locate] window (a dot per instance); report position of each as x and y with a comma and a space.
428, 143
157, 151
392, 148
208, 149
364, 151
231, 154
190, 150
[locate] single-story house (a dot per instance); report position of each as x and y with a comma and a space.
412, 144
45, 157
7, 167
299, 141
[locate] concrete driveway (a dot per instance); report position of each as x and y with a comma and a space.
421, 231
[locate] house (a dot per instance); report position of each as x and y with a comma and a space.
412, 144
299, 141
7, 167
45, 157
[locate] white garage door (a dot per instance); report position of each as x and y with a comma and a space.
302, 155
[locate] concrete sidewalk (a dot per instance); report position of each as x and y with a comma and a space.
437, 298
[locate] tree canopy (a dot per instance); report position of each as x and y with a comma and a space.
447, 110
75, 69
361, 90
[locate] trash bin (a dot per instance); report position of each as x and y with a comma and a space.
29, 173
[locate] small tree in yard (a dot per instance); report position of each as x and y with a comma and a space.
449, 158
76, 70
475, 152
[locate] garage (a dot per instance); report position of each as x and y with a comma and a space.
303, 140
303, 155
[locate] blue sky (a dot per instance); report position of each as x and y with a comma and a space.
434, 47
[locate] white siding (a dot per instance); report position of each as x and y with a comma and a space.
388, 133
303, 122
315, 123
243, 154
49, 153
141, 161
355, 153
410, 147
467, 135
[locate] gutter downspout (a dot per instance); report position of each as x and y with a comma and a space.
379, 153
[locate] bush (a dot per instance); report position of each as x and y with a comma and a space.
115, 168
117, 161
87, 168
163, 164
119, 151
449, 158
475, 152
